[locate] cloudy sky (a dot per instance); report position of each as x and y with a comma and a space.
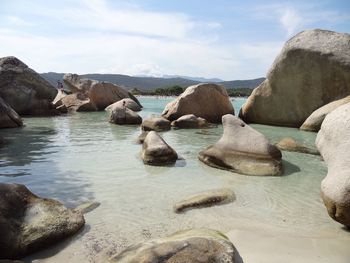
226, 39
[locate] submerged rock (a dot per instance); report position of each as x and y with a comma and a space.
155, 151
8, 117
29, 223
208, 101
192, 246
314, 121
242, 149
155, 124
190, 121
289, 144
333, 142
129, 103
87, 207
123, 115
205, 199
312, 70
24, 90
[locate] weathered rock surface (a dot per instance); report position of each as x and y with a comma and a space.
242, 149
101, 94
206, 199
123, 115
312, 70
129, 103
8, 117
209, 101
289, 144
156, 124
333, 142
190, 121
29, 223
24, 90
155, 151
189, 246
314, 121
77, 102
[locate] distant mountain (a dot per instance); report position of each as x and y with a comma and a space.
150, 83
199, 79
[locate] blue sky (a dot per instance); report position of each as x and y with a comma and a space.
224, 39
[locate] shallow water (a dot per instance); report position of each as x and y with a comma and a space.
82, 157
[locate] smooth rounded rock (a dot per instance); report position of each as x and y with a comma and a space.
77, 102
243, 150
129, 103
190, 121
156, 124
123, 115
289, 144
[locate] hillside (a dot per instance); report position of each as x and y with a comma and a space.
150, 83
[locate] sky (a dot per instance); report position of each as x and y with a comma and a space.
224, 39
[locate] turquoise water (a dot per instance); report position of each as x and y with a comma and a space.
81, 157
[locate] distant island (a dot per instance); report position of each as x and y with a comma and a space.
167, 86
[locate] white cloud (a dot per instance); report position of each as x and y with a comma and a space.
17, 21
291, 21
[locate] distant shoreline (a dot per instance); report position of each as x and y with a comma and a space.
166, 97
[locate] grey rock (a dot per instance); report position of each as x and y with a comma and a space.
289, 144
8, 117
155, 124
123, 115
190, 121
129, 103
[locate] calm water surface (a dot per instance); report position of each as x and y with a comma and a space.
81, 157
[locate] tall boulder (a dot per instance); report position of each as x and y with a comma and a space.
8, 117
25, 90
209, 101
312, 70
29, 223
243, 150
101, 94
333, 142
123, 115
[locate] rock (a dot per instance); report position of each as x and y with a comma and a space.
78, 102
189, 246
124, 116
205, 199
156, 124
314, 121
101, 94
289, 144
58, 99
87, 207
312, 70
155, 151
209, 101
29, 223
333, 142
24, 90
8, 117
242, 149
129, 103
190, 121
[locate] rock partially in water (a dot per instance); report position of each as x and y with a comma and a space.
77, 102
190, 121
312, 70
209, 101
8, 117
129, 103
155, 124
205, 199
155, 151
29, 223
141, 138
24, 90
123, 115
243, 150
333, 142
314, 121
87, 207
289, 144
189, 246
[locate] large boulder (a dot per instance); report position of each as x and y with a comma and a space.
8, 117
333, 142
209, 101
129, 103
190, 121
123, 115
77, 102
101, 94
156, 123
29, 223
155, 151
189, 246
25, 90
314, 121
242, 149
312, 70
